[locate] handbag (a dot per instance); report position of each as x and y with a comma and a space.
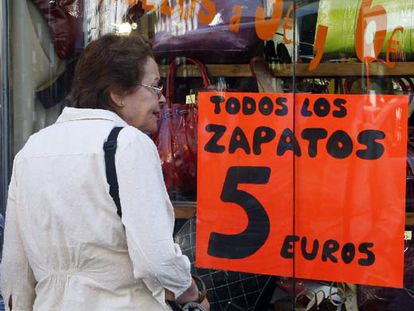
176, 139
64, 19
110, 147
176, 35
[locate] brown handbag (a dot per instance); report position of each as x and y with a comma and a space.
178, 36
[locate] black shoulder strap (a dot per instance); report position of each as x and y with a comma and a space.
110, 150
111, 177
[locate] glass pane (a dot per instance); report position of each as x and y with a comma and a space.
4, 123
311, 98
226, 47
249, 78
4, 116
352, 169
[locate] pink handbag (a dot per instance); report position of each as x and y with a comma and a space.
177, 138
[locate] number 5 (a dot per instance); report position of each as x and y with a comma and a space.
255, 235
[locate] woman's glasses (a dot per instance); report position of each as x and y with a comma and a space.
156, 89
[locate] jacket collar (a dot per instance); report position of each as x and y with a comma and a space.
75, 114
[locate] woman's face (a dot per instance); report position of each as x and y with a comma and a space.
141, 108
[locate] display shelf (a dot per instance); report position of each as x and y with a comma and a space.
214, 70
300, 70
184, 209
345, 70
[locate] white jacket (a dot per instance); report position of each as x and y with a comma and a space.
65, 247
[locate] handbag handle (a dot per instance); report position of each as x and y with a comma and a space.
264, 75
172, 70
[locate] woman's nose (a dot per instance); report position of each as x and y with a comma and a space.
162, 101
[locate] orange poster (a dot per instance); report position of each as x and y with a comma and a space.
307, 182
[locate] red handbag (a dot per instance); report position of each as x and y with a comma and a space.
64, 19
177, 138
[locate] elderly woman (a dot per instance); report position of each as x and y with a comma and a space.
65, 246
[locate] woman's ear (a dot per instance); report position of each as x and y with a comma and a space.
117, 99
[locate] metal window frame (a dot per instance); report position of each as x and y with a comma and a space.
5, 111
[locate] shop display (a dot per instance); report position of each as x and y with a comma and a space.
314, 295
389, 299
227, 290
186, 35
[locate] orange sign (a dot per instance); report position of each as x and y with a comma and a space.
306, 182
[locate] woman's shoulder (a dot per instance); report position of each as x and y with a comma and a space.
131, 136
35, 139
